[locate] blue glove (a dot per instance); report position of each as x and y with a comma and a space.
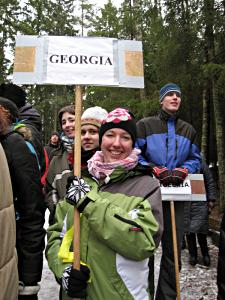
74, 282
76, 189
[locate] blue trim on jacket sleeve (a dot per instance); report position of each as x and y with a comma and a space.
141, 144
153, 149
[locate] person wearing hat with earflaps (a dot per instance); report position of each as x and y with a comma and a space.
170, 150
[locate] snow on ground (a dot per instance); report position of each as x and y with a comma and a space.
49, 287
197, 283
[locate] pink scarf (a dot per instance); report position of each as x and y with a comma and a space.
99, 169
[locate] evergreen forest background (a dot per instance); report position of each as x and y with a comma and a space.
183, 42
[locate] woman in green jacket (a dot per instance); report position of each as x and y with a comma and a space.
121, 220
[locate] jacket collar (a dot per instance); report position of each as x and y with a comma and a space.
119, 174
165, 116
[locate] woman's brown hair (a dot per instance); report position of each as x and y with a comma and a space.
69, 109
5, 120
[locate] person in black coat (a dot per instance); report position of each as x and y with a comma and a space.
28, 201
29, 116
221, 263
196, 219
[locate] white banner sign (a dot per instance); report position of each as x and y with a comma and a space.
78, 60
192, 189
71, 62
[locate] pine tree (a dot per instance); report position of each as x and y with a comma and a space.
9, 11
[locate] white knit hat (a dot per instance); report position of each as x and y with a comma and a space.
93, 116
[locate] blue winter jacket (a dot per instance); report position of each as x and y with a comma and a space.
168, 141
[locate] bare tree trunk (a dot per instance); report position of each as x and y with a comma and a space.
55, 111
209, 58
220, 132
2, 69
217, 81
205, 124
138, 31
2, 57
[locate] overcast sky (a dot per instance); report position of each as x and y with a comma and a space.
101, 3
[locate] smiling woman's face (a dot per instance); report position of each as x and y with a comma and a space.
68, 124
116, 145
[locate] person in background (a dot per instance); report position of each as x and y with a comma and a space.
28, 115
90, 123
221, 263
121, 222
28, 202
196, 219
61, 166
53, 144
169, 150
9, 282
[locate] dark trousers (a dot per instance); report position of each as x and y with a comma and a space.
60, 293
192, 244
28, 297
151, 277
166, 289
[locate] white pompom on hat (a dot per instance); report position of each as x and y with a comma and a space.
93, 116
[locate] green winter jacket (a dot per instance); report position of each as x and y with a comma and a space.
120, 229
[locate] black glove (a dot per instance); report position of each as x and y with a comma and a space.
179, 175
76, 189
74, 282
163, 174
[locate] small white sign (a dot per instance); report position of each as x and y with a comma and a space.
192, 189
181, 192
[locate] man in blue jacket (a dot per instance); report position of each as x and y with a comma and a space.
169, 148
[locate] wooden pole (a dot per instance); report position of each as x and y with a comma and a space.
77, 172
175, 252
